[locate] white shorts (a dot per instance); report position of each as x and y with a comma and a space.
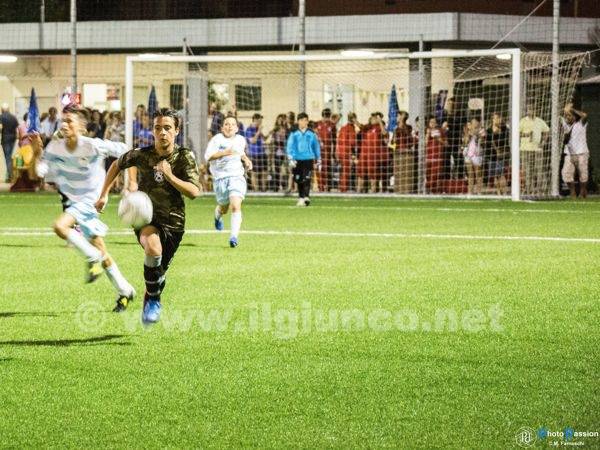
86, 217
228, 186
573, 163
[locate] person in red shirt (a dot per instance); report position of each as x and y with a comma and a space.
373, 159
435, 141
326, 132
404, 156
346, 149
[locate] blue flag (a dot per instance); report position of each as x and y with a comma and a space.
152, 103
33, 114
393, 110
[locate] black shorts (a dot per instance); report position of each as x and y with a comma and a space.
169, 240
259, 163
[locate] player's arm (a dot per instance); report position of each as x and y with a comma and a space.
190, 188
582, 115
220, 154
111, 176
247, 162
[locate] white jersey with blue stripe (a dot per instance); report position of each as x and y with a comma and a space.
79, 174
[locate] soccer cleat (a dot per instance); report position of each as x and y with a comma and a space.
219, 224
233, 242
306, 201
94, 271
301, 202
151, 311
123, 302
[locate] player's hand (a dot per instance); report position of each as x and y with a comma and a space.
101, 203
164, 167
292, 163
228, 152
131, 187
36, 143
319, 165
249, 165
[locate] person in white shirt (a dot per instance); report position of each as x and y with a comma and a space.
534, 135
225, 153
49, 125
76, 164
577, 153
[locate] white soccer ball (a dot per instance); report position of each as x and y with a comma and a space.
135, 209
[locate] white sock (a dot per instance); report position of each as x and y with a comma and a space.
236, 223
81, 243
118, 280
218, 214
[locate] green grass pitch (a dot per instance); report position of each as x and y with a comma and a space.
379, 323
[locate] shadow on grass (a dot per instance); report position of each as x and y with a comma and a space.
23, 245
69, 342
27, 314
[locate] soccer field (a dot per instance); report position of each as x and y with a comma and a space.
352, 323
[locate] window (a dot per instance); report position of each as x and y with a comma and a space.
248, 97
176, 96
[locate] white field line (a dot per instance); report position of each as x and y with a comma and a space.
33, 232
382, 208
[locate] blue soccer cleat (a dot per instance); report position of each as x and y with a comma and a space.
233, 242
219, 224
151, 311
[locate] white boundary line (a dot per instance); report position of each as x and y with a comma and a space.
35, 232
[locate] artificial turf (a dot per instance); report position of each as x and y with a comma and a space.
351, 323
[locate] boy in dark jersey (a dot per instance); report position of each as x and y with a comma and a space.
166, 172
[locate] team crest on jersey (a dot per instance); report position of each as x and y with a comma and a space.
158, 176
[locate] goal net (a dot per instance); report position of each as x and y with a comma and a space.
434, 123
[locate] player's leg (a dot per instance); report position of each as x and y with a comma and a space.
63, 227
149, 239
222, 195
582, 168
125, 291
236, 192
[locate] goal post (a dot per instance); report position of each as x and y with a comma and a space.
489, 89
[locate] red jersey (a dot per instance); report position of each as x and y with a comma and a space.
326, 132
346, 141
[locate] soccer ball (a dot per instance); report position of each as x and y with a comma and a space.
135, 209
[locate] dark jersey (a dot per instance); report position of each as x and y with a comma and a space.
167, 202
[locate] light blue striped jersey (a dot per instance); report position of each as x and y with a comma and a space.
79, 174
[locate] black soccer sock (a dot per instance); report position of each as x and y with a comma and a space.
154, 275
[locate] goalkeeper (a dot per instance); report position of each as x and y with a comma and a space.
303, 150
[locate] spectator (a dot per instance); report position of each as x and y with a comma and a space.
404, 156
576, 150
455, 121
303, 150
9, 124
137, 124
49, 125
278, 137
373, 158
257, 153
217, 118
498, 141
94, 127
434, 156
22, 134
25, 179
534, 134
327, 133
145, 136
473, 153
346, 150
291, 122
115, 130
233, 113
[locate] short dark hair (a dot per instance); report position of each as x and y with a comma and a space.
231, 116
256, 116
167, 112
82, 113
302, 115
326, 113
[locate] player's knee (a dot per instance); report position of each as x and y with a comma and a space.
60, 229
235, 207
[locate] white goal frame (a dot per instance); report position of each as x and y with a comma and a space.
515, 88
